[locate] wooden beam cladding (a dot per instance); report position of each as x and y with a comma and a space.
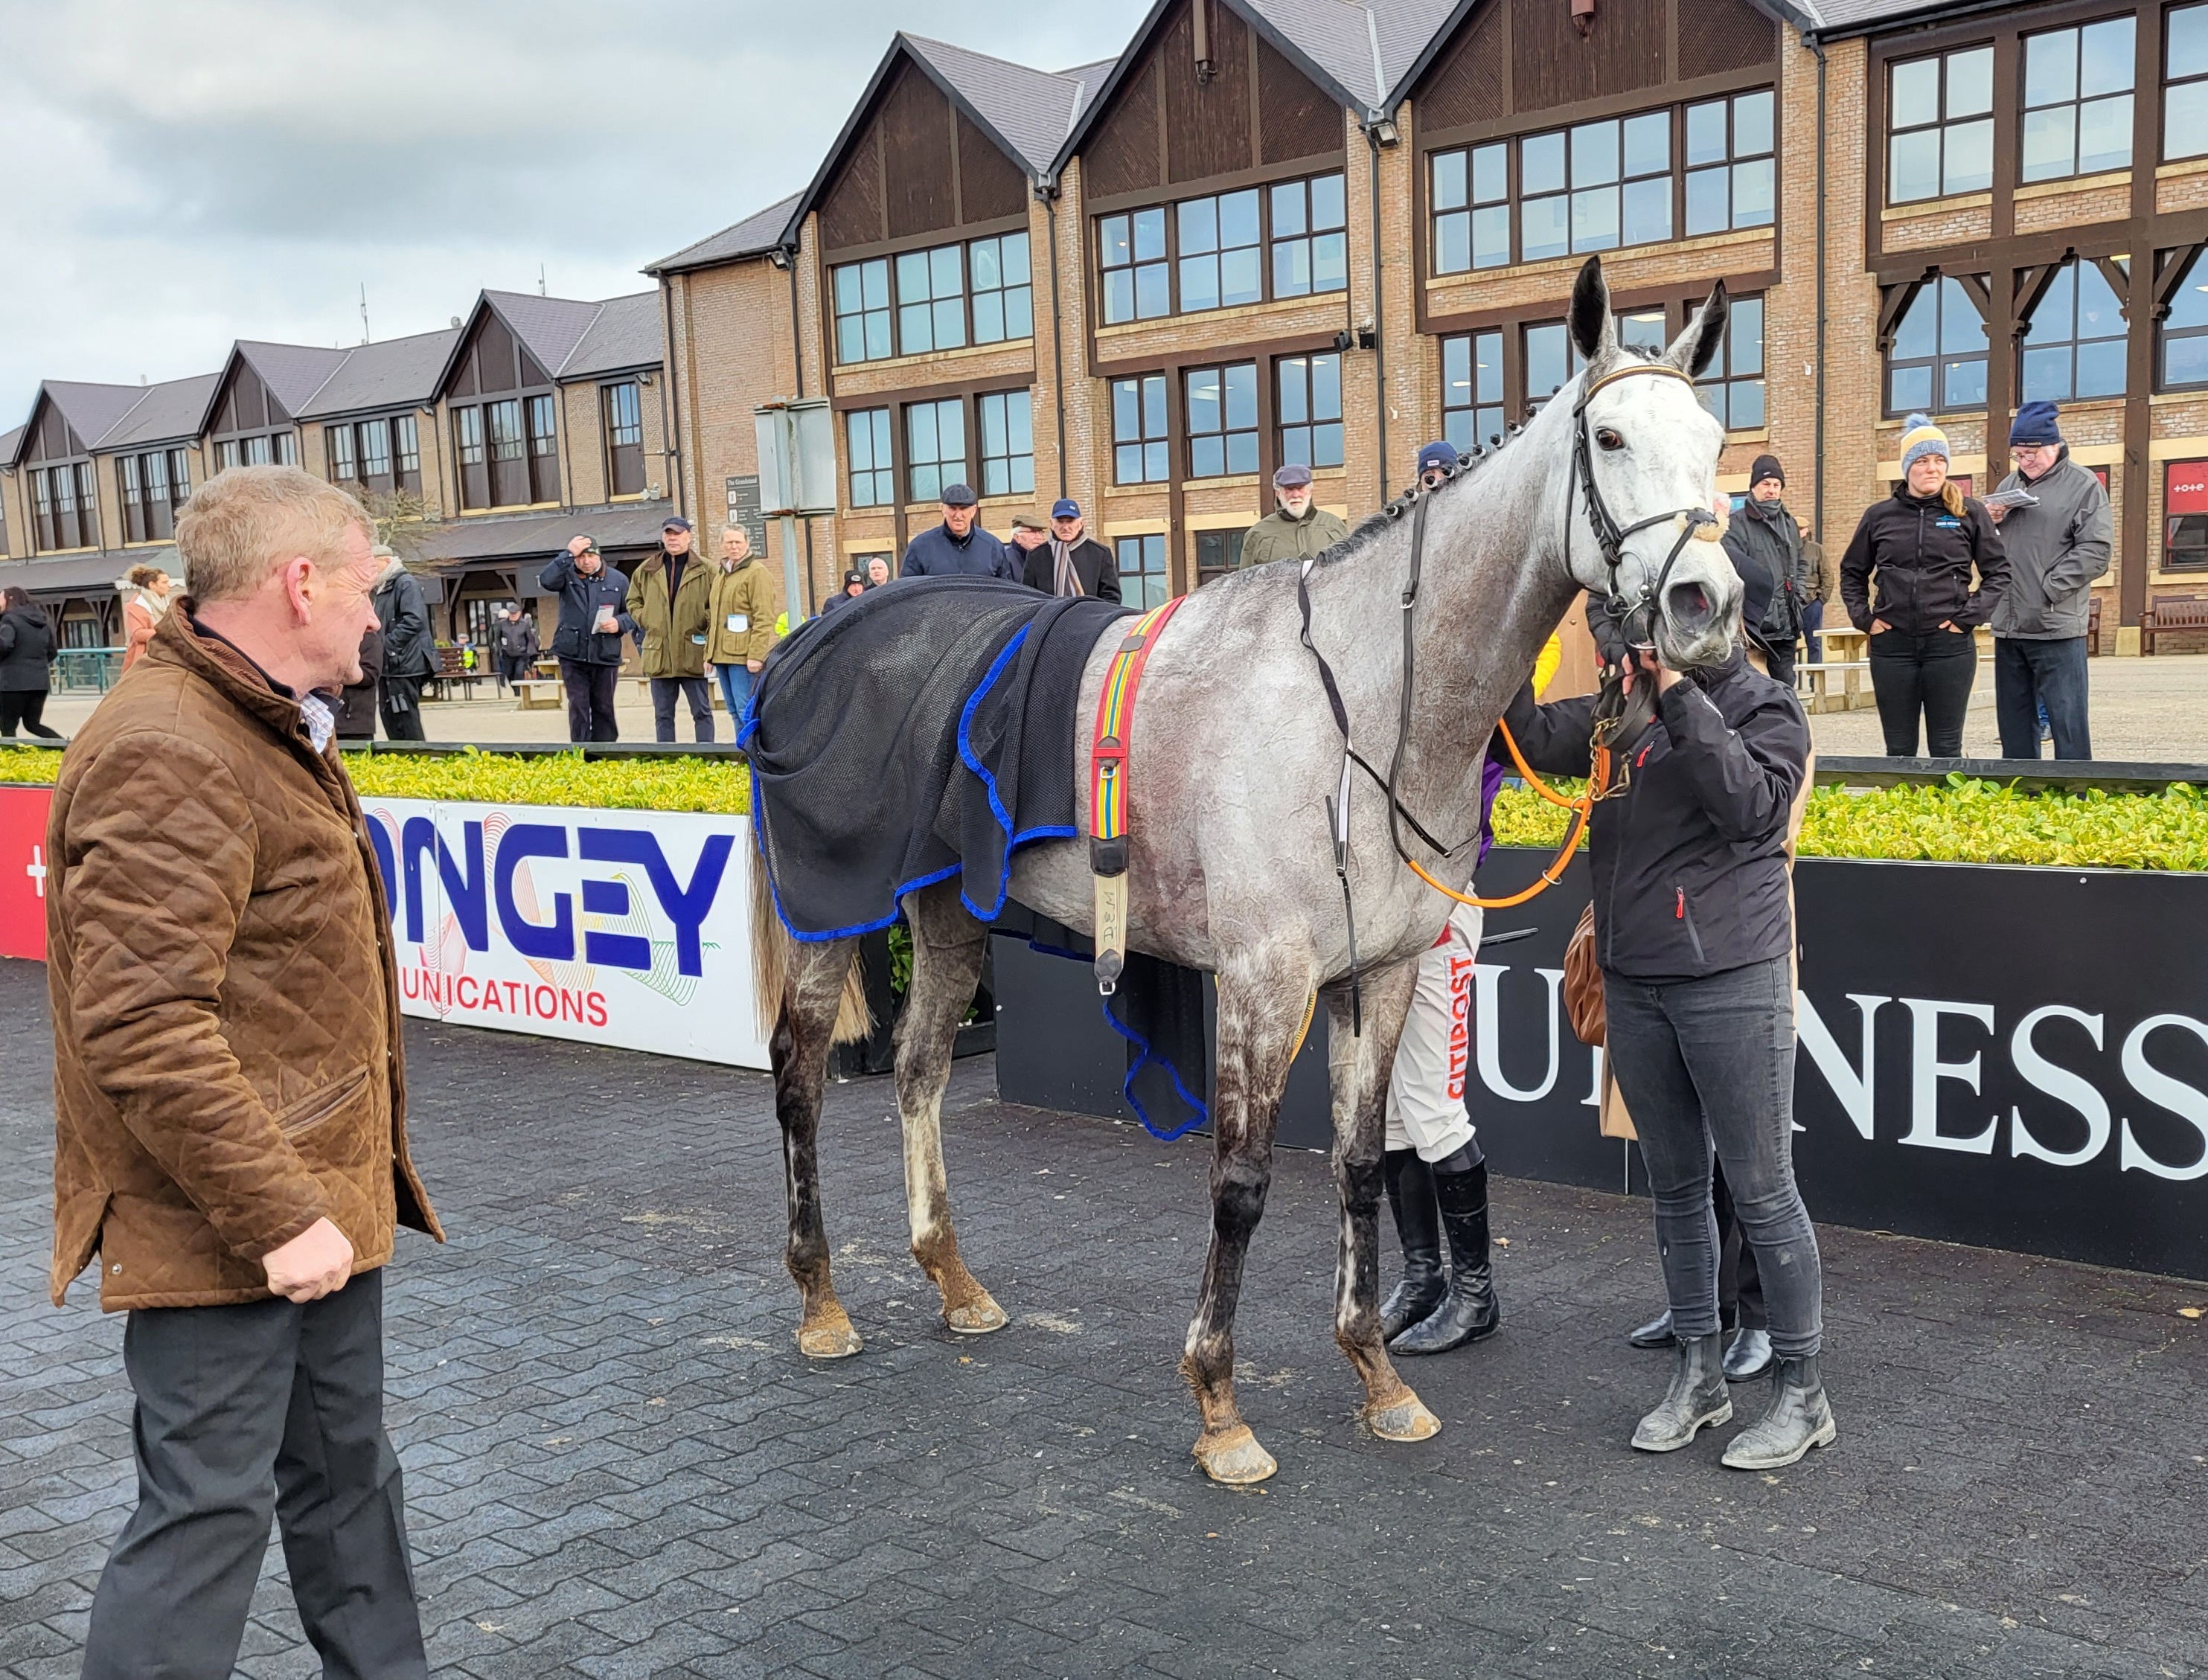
914, 119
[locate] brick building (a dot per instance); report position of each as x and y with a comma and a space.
1270, 231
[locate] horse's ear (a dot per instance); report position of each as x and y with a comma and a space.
1693, 351
1593, 329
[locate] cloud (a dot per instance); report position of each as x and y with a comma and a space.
181, 177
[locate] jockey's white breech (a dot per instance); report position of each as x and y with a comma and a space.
1425, 1092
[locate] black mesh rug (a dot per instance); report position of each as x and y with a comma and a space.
923, 730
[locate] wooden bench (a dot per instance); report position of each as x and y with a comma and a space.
1852, 695
2093, 626
2167, 614
533, 694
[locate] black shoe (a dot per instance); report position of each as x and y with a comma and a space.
1747, 1355
1800, 1417
1656, 1333
1417, 1227
1695, 1400
1471, 1309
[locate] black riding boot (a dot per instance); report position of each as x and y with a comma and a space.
1471, 1309
1417, 1227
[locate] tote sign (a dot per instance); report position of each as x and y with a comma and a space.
626, 929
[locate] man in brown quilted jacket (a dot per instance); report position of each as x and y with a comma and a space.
230, 1096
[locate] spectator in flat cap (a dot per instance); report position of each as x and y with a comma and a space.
2058, 541
1765, 546
1296, 529
1070, 562
959, 547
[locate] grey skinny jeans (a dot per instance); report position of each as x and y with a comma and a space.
1708, 1065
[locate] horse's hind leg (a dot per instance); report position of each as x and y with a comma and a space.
947, 948
812, 991
1360, 1067
1262, 1016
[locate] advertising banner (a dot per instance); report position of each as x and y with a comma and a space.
23, 812
626, 928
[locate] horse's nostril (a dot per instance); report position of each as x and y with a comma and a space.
1687, 606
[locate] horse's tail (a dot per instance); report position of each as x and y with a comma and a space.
771, 948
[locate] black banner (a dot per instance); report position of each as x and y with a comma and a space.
2010, 1057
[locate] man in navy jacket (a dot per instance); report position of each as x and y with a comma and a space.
593, 618
959, 547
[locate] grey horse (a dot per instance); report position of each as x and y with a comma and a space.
1234, 753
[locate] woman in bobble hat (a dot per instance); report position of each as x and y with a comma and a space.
1936, 563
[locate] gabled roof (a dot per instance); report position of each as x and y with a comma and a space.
391, 374
292, 372
91, 411
560, 334
1824, 19
626, 334
755, 236
166, 413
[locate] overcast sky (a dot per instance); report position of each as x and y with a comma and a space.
178, 177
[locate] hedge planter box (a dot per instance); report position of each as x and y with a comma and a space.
2012, 1058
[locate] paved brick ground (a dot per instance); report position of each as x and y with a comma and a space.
617, 1464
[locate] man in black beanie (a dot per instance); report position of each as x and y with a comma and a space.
1766, 547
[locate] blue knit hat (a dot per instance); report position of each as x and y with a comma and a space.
1919, 438
2034, 423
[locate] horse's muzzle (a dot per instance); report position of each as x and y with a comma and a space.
1693, 620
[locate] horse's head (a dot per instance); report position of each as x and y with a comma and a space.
1645, 456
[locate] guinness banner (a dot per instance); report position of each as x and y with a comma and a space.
2010, 1057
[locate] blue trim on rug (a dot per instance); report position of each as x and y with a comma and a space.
1143, 1057
966, 720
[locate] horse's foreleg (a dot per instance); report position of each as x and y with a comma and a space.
811, 991
1261, 1021
1360, 1067
947, 948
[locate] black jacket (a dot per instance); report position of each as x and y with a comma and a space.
1923, 557
1689, 862
580, 597
356, 707
409, 647
1766, 549
1092, 563
515, 638
26, 650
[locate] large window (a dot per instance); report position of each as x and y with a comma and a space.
1288, 240
2184, 100
154, 487
1731, 386
2074, 347
981, 292
1003, 298
468, 453
1472, 390
375, 456
1143, 582
1309, 405
62, 510
1937, 361
343, 459
544, 449
1940, 126
2185, 516
2078, 100
1218, 551
1550, 359
867, 445
1731, 169
509, 465
508, 451
931, 289
862, 311
623, 418
2182, 350
1007, 443
934, 447
406, 452
1595, 187
1223, 420
1140, 453
1311, 249
1471, 192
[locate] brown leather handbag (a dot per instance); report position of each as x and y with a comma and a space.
1583, 1006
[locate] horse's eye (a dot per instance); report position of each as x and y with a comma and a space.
1609, 439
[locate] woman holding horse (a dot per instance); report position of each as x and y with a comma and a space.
1695, 933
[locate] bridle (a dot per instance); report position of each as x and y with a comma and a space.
1635, 616
1610, 538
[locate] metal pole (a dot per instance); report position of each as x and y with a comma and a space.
794, 602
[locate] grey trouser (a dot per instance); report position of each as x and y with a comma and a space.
244, 1413
1708, 1065
664, 692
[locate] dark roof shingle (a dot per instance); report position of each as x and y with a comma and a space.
388, 374
292, 372
626, 334
756, 235
1030, 109
168, 413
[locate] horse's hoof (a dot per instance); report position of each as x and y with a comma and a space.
1407, 1419
1234, 1458
828, 1338
977, 1317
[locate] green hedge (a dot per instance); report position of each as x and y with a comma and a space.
1958, 821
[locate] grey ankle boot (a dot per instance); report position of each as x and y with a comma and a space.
1697, 1399
1800, 1417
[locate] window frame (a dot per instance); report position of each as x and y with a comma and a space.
1936, 362
1312, 423
1144, 440
910, 463
1723, 375
1172, 256
1140, 585
881, 469
620, 410
2195, 276
1891, 68
2071, 341
1227, 434
2198, 467
2077, 100
2196, 81
1013, 456
1499, 408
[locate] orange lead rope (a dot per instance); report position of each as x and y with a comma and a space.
1582, 807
